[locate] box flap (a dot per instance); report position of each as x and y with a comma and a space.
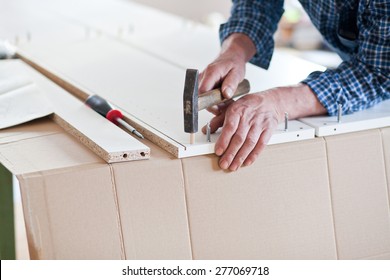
42, 146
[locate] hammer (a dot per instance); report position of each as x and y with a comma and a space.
192, 102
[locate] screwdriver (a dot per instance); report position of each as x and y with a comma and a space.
101, 106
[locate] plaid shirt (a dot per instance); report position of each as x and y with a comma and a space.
360, 81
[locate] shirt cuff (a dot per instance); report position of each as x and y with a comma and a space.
354, 87
264, 43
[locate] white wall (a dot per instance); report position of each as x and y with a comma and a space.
196, 10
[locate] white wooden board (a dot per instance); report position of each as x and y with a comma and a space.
22, 102
29, 22
104, 138
375, 117
148, 50
178, 41
148, 89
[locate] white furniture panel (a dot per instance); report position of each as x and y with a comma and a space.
374, 117
148, 89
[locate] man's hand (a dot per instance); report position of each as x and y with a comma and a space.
248, 123
228, 69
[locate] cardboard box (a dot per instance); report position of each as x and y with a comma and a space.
359, 194
278, 208
325, 198
78, 207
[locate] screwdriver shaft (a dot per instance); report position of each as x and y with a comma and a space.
129, 127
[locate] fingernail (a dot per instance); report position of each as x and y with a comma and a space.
228, 92
219, 151
223, 164
233, 167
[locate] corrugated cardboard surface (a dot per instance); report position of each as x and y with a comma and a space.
386, 150
78, 207
316, 199
152, 207
279, 208
71, 214
359, 194
41, 146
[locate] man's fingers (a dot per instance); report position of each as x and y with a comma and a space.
210, 78
235, 145
214, 110
261, 144
221, 107
215, 123
231, 123
249, 145
230, 83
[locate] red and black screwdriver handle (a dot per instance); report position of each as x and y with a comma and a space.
101, 106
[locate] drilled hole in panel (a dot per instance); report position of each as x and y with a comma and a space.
124, 155
142, 154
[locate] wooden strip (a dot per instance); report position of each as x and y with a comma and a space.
98, 134
82, 94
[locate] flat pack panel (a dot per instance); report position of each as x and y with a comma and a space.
104, 138
147, 88
270, 210
374, 117
54, 151
33, 129
359, 194
23, 104
32, 22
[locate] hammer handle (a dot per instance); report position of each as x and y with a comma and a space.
215, 96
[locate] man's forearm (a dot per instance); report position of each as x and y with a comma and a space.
240, 45
298, 101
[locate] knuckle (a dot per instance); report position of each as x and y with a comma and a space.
229, 156
229, 126
240, 159
239, 138
261, 143
252, 141
253, 157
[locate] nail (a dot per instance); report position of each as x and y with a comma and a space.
219, 151
208, 132
234, 167
228, 92
339, 112
223, 164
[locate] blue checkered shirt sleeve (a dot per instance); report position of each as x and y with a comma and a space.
258, 20
364, 80
358, 83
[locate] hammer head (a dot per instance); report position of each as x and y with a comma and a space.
190, 101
